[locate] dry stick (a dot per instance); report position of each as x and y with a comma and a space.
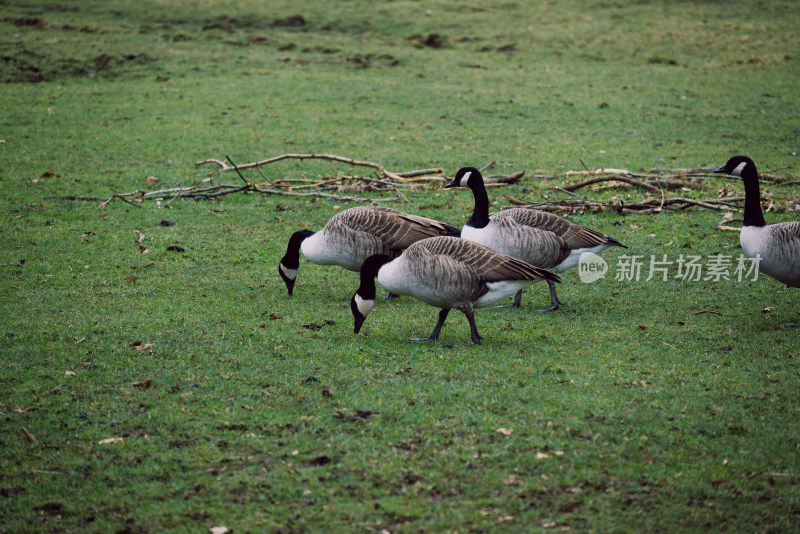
237, 170
615, 178
503, 179
173, 198
421, 172
322, 195
488, 165
556, 188
331, 157
717, 313
647, 206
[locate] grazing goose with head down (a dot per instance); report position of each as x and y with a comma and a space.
349, 237
537, 237
448, 273
778, 245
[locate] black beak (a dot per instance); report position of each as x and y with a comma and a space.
721, 169
453, 183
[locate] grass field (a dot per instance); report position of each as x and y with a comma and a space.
185, 390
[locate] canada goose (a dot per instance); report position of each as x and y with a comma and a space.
448, 273
349, 237
778, 245
537, 237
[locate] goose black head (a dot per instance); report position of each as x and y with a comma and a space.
360, 307
364, 298
739, 166
466, 177
744, 167
290, 263
289, 276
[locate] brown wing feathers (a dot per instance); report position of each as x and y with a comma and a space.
488, 265
574, 235
395, 228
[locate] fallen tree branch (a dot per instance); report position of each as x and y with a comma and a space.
503, 179
614, 178
382, 180
223, 167
621, 207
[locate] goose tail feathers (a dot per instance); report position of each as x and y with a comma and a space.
613, 242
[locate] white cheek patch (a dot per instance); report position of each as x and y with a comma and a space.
291, 274
364, 306
465, 179
738, 170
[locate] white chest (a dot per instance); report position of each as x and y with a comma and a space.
755, 240
477, 235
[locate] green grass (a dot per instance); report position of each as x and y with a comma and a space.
630, 409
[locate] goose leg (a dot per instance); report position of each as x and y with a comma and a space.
517, 301
554, 302
475, 337
436, 329
390, 296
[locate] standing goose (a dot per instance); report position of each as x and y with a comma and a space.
534, 236
448, 273
349, 237
778, 245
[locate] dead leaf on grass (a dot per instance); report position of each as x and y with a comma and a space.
151, 180
27, 435
140, 237
218, 530
505, 431
69, 373
542, 455
143, 383
109, 440
138, 345
512, 480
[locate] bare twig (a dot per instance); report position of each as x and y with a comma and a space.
614, 178
223, 167
718, 313
645, 206
236, 169
488, 166
503, 179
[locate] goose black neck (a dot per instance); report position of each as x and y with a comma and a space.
752, 199
369, 270
291, 259
480, 213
